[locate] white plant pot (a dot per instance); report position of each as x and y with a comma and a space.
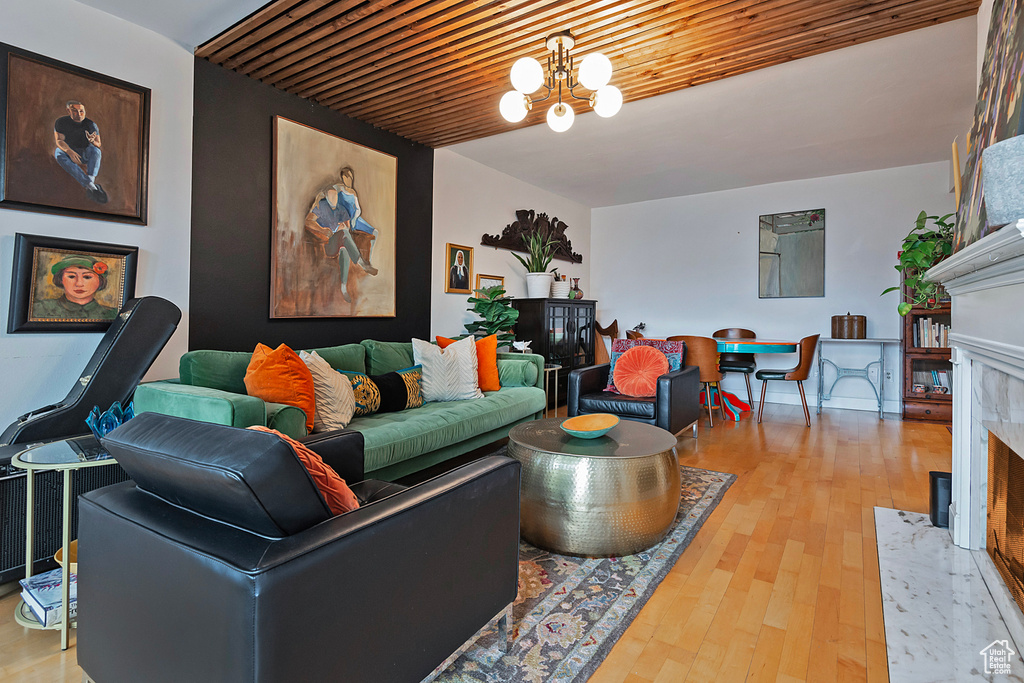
560, 289
538, 285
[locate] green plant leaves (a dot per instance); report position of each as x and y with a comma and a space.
498, 315
923, 247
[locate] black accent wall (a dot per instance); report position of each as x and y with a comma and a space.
232, 157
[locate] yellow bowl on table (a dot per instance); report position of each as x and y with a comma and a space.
73, 552
589, 426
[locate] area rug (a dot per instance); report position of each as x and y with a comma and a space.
570, 610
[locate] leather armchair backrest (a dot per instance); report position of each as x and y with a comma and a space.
248, 479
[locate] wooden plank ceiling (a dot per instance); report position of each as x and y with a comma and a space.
434, 70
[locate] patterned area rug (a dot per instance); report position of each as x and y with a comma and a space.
570, 610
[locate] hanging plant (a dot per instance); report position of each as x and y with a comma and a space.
923, 247
496, 310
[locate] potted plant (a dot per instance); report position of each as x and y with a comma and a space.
540, 249
498, 315
923, 247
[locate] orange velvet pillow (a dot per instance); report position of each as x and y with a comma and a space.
333, 488
280, 376
486, 361
637, 371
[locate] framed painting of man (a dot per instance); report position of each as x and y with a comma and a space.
458, 269
72, 141
64, 285
334, 226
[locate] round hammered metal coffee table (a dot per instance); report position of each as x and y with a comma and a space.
611, 496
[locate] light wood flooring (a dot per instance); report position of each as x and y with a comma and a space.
780, 584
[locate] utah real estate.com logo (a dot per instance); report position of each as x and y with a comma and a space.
997, 657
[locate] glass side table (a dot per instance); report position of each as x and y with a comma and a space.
549, 370
68, 456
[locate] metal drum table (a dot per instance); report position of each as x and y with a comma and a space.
614, 495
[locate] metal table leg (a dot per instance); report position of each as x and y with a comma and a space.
65, 574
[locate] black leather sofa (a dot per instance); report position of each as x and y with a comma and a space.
221, 562
675, 406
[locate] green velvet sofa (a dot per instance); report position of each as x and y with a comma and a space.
211, 388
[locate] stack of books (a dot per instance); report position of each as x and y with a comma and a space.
42, 594
930, 335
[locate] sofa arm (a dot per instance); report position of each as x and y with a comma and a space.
678, 399
200, 403
536, 359
582, 381
342, 450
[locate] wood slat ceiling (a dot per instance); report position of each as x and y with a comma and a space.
434, 70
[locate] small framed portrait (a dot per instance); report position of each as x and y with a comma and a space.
458, 269
63, 285
485, 281
72, 142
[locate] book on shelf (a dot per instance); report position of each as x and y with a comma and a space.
42, 594
930, 335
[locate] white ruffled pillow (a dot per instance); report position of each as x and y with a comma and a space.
449, 374
335, 402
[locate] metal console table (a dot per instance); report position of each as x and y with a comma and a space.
863, 373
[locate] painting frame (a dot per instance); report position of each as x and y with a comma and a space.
451, 279
34, 176
120, 263
489, 281
302, 273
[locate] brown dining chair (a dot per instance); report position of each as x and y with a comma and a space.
738, 362
797, 374
702, 352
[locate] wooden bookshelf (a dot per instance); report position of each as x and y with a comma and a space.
926, 357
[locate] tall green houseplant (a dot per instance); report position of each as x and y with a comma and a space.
496, 310
540, 250
923, 247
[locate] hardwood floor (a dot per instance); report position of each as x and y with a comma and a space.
781, 583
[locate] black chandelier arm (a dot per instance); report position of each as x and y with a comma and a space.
577, 97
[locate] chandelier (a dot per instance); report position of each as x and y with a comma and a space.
528, 76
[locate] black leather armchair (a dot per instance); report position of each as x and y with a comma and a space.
675, 406
220, 562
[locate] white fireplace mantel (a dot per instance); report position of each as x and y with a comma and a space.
986, 284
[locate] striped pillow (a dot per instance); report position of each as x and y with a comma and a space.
449, 374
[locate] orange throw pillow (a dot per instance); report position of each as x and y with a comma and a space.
333, 488
280, 376
486, 361
638, 370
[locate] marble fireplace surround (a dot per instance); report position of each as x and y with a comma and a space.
986, 284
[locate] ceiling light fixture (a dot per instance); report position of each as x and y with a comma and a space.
528, 76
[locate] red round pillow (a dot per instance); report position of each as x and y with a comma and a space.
638, 369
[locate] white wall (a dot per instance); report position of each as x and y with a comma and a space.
38, 369
470, 200
688, 265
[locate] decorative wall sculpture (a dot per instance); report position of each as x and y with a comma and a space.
528, 222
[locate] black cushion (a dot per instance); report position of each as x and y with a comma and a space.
617, 404
251, 480
772, 374
746, 366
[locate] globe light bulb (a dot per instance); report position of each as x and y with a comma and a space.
513, 106
595, 71
527, 75
560, 117
607, 101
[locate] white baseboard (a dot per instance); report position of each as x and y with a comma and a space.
843, 402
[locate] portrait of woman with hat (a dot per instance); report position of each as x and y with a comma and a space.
79, 277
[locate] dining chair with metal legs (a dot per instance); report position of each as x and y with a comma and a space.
798, 374
703, 353
738, 362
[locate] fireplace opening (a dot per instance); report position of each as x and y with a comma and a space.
1005, 534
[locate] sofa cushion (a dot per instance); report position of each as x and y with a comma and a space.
382, 357
486, 361
638, 370
350, 357
399, 390
675, 351
240, 477
449, 374
335, 403
224, 370
280, 376
516, 372
365, 392
617, 404
336, 493
391, 438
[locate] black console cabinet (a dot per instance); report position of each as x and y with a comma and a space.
561, 330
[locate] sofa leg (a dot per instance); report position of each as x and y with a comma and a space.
505, 630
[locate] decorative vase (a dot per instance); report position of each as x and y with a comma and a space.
560, 289
576, 292
538, 285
